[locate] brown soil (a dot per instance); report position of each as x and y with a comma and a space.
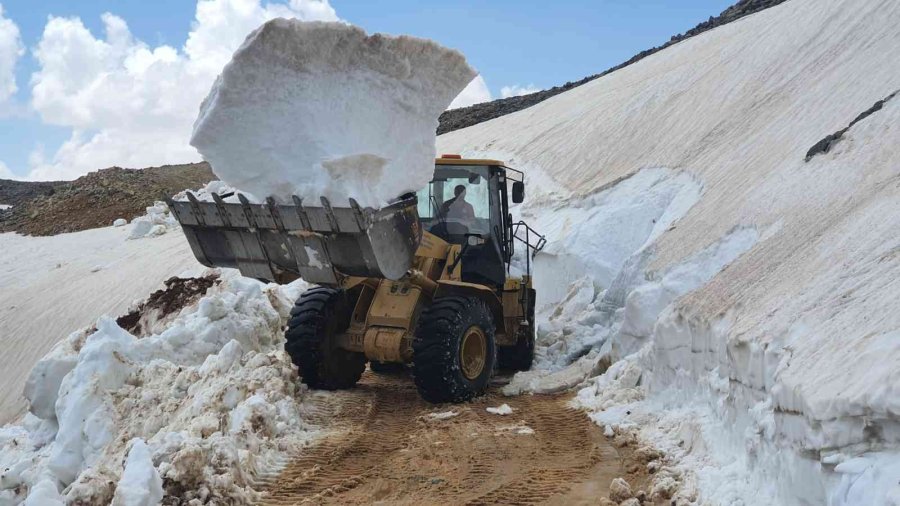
386, 448
96, 199
179, 293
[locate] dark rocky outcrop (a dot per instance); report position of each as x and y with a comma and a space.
825, 145
93, 200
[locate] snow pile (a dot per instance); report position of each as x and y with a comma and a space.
201, 403
755, 338
321, 109
156, 222
205, 194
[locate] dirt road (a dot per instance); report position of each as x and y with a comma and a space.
392, 447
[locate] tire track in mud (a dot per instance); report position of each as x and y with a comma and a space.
386, 446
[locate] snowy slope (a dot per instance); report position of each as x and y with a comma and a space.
765, 312
55, 285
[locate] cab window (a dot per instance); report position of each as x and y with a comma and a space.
459, 198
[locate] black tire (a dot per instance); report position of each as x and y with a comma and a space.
437, 369
318, 315
387, 368
519, 356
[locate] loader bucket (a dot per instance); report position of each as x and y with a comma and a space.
322, 244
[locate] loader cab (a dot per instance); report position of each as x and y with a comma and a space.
466, 204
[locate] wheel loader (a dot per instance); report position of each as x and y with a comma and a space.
425, 282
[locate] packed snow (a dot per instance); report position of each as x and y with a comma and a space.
502, 410
322, 109
206, 405
443, 415
752, 334
4, 207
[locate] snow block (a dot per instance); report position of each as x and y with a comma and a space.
322, 109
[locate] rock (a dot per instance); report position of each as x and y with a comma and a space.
630, 502
620, 490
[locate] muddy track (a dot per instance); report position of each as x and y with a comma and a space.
387, 446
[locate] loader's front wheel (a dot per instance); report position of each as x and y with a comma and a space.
317, 317
454, 351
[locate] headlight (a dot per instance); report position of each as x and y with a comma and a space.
474, 240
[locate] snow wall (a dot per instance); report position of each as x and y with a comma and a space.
755, 333
321, 109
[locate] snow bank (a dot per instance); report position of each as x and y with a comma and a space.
202, 402
754, 339
322, 109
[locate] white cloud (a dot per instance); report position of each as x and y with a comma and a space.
131, 104
475, 93
6, 173
517, 91
10, 50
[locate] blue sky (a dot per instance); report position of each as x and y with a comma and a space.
510, 42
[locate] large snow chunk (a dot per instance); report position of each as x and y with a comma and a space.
44, 494
44, 380
322, 109
140, 484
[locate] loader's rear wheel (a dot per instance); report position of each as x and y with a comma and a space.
519, 356
454, 351
317, 317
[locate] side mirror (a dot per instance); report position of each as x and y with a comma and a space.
518, 192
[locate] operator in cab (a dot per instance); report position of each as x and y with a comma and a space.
457, 208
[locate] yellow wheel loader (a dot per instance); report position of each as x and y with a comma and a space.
424, 281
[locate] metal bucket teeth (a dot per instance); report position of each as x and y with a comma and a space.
281, 242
